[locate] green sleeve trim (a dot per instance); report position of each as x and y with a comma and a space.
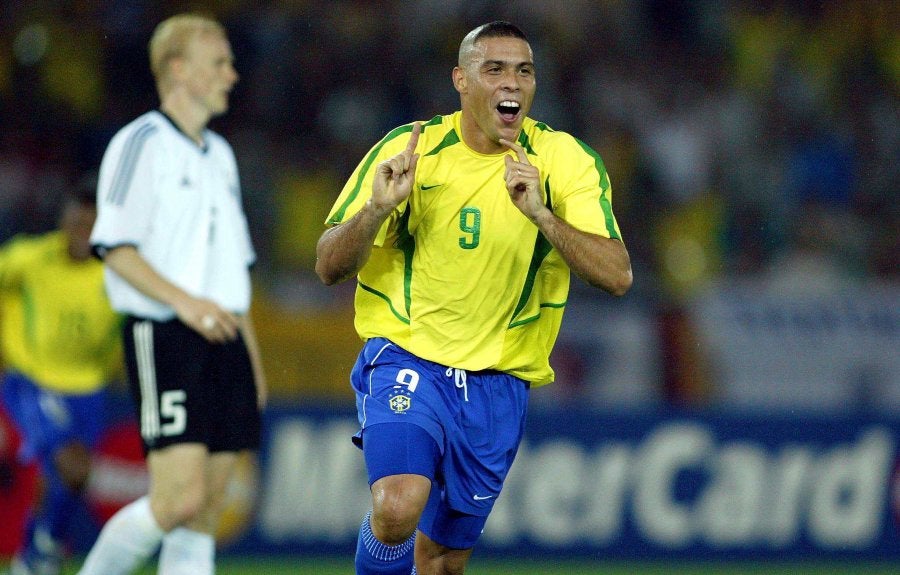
436, 121
367, 164
369, 160
526, 143
605, 203
449, 140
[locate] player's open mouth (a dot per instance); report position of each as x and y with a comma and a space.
508, 110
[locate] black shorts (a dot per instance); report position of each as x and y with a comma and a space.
187, 390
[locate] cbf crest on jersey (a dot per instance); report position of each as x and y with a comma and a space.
398, 402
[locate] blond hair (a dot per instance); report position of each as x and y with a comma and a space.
171, 38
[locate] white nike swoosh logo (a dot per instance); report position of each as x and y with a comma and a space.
481, 497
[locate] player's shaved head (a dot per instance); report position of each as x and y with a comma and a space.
171, 38
496, 29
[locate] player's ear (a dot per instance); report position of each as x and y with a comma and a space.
459, 80
177, 67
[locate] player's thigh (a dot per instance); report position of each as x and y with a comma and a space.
177, 482
220, 470
432, 557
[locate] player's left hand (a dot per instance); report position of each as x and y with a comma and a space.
523, 182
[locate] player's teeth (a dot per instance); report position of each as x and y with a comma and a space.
509, 103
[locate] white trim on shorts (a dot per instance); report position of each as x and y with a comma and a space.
143, 347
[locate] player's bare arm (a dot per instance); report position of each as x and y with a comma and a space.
202, 315
601, 262
343, 250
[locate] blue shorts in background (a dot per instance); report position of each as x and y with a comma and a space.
477, 419
47, 420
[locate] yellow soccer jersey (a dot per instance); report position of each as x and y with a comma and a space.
57, 325
486, 290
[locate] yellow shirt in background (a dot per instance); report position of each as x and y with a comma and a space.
56, 324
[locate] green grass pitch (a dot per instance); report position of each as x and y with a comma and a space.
299, 566
344, 566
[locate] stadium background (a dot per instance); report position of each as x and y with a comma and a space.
753, 152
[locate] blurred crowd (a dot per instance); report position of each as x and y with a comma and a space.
743, 138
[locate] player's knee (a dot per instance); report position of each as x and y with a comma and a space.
398, 502
190, 507
73, 465
215, 503
185, 507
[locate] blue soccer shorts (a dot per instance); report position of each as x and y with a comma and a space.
475, 419
48, 421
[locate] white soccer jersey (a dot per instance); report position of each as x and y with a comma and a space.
179, 204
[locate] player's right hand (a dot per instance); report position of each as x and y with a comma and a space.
215, 324
394, 177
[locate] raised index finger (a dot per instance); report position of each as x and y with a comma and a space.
519, 150
414, 138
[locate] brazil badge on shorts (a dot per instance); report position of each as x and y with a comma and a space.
399, 401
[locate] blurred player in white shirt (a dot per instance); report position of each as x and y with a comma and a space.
173, 236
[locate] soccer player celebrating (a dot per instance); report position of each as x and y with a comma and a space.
173, 236
61, 347
462, 232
